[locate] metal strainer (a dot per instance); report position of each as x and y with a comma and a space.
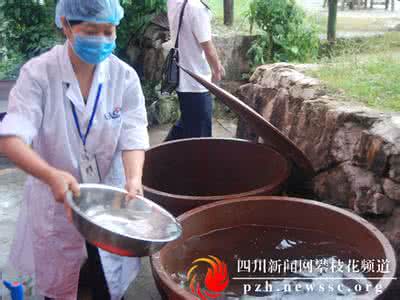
137, 227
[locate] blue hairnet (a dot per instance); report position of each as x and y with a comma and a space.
97, 11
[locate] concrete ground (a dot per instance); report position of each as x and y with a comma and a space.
11, 184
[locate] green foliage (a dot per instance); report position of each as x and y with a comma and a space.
26, 30
288, 35
27, 27
9, 67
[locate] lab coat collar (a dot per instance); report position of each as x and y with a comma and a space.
73, 93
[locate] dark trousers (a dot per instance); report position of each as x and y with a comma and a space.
196, 117
92, 276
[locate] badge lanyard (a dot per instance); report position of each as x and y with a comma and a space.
88, 163
84, 137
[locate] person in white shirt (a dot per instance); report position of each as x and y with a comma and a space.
198, 54
76, 106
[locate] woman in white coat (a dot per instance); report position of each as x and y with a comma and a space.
74, 107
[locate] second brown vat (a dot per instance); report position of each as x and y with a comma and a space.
275, 212
185, 174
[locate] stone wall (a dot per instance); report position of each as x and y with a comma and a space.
146, 53
232, 51
355, 150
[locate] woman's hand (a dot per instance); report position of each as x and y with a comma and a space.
134, 187
60, 183
133, 166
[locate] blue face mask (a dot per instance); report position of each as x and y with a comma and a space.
93, 49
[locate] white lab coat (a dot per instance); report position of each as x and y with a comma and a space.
39, 112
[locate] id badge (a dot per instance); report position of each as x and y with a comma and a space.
89, 169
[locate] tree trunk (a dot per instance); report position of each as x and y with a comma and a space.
270, 47
228, 12
332, 16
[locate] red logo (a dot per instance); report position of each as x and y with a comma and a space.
215, 282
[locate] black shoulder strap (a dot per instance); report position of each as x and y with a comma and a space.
180, 23
205, 5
